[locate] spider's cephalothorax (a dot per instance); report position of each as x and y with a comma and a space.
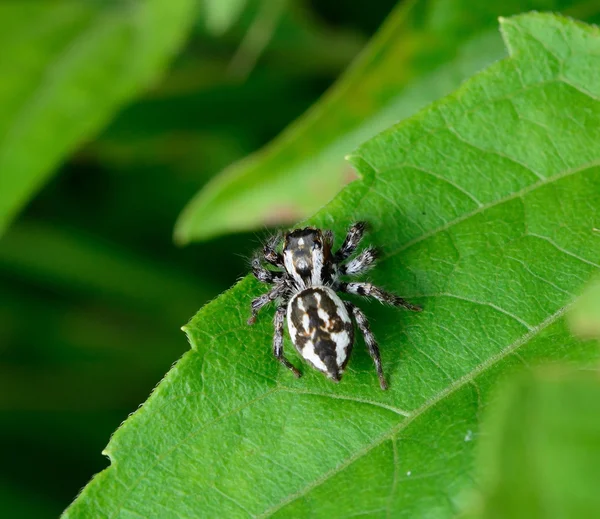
319, 322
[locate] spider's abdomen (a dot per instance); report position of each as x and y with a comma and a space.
321, 329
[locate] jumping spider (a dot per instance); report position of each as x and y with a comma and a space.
319, 322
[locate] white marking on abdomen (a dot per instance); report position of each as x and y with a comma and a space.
308, 352
342, 341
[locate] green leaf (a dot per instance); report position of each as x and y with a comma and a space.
70, 66
484, 206
542, 459
423, 51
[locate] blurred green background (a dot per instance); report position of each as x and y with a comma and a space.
86, 269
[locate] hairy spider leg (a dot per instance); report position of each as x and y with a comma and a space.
278, 321
370, 290
363, 262
363, 325
355, 234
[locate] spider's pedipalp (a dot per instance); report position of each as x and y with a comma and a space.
263, 274
269, 251
370, 290
363, 262
328, 238
355, 234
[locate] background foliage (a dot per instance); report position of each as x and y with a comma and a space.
541, 456
92, 290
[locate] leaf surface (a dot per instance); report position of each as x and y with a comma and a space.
71, 65
424, 50
484, 206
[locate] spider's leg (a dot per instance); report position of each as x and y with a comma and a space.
370, 290
363, 262
263, 274
277, 291
355, 234
270, 254
278, 341
370, 341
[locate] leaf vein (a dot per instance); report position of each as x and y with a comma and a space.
334, 396
512, 196
452, 388
537, 276
231, 500
564, 251
193, 433
447, 181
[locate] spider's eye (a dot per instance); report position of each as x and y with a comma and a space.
316, 245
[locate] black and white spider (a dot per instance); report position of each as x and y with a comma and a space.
319, 322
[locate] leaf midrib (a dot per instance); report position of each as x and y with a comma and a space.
532, 331
410, 416
428, 404
451, 388
482, 367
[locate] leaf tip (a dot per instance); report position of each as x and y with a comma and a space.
107, 452
506, 30
363, 168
